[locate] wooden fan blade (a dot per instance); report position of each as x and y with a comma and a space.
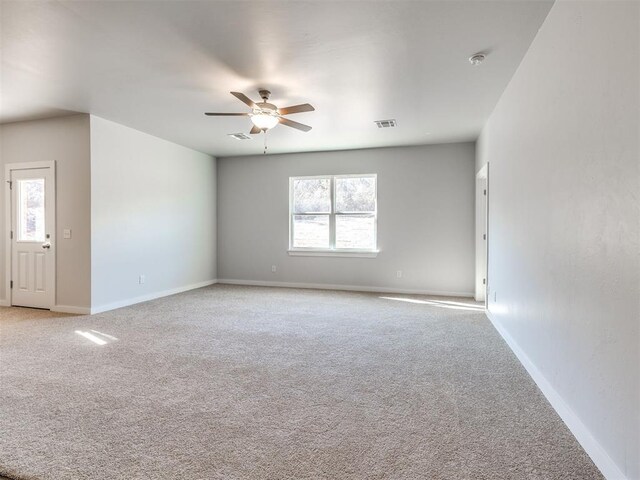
305, 107
255, 130
243, 98
292, 124
226, 114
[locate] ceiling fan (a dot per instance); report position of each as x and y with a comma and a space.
265, 115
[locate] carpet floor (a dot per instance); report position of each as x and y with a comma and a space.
231, 382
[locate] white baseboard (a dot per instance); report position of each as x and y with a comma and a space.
4, 303
71, 309
352, 288
150, 296
599, 456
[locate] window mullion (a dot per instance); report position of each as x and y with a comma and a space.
332, 215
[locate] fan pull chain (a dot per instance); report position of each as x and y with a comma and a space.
265, 142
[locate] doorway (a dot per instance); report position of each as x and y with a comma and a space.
31, 251
482, 233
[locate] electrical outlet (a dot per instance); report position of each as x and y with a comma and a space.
399, 274
274, 269
141, 279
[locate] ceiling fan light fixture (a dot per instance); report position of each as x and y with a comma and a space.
264, 121
265, 115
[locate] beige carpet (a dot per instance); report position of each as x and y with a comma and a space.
257, 383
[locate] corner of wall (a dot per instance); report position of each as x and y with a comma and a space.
154, 189
579, 430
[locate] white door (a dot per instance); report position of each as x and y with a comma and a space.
33, 237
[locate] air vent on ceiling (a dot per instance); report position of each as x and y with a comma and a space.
386, 123
239, 136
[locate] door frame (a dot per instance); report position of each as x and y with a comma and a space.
483, 174
8, 215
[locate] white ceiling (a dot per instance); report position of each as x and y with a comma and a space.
157, 66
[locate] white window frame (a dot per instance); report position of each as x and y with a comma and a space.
332, 251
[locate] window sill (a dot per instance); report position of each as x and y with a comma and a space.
334, 253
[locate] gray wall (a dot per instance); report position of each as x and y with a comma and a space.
563, 152
425, 219
65, 140
153, 213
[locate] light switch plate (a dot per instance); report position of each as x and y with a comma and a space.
66, 233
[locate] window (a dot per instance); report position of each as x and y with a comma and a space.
31, 210
332, 214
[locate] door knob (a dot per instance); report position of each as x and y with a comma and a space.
46, 245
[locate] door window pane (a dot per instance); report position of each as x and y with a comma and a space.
355, 194
355, 231
311, 231
31, 226
312, 195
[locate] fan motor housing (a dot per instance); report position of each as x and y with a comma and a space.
267, 106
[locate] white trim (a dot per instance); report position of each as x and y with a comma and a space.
332, 253
30, 165
482, 294
58, 308
351, 288
598, 454
71, 309
9, 222
150, 296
